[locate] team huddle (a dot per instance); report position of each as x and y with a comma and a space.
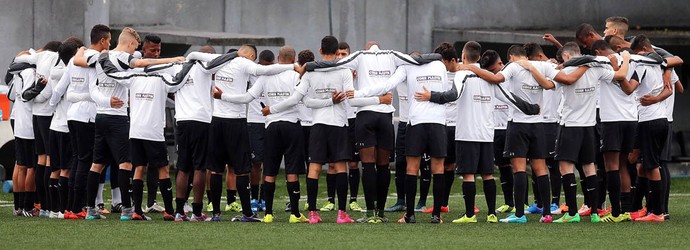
79, 111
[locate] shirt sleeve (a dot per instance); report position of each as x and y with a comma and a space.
350, 62
509, 71
549, 70
256, 69
30, 58
60, 88
605, 74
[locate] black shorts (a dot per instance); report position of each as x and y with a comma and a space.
192, 145
400, 142
499, 146
525, 140
653, 136
450, 146
111, 140
306, 132
62, 156
617, 136
429, 138
153, 154
284, 139
351, 124
329, 144
374, 129
24, 152
550, 136
576, 144
666, 153
230, 145
474, 157
256, 140
42, 134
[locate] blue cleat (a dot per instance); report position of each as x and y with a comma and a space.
514, 219
534, 209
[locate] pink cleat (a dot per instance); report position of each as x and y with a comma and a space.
314, 217
344, 218
546, 219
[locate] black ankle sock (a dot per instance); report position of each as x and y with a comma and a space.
179, 205
369, 185
166, 192
330, 187
555, 179
231, 195
640, 193
544, 188
152, 183
269, 193
341, 187
592, 184
655, 197
294, 194
507, 185
613, 182
424, 181
490, 193
40, 185
469, 191
400, 173
53, 195
535, 191
254, 189
353, 179
410, 193
383, 180
570, 190
626, 202
137, 195
449, 179
312, 193
520, 189
196, 208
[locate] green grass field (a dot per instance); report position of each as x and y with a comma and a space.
35, 233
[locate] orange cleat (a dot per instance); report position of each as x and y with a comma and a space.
651, 218
563, 208
476, 209
443, 210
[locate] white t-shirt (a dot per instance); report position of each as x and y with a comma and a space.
107, 86
59, 122
579, 98
451, 107
671, 100
74, 85
614, 104
502, 113
44, 61
523, 85
403, 101
23, 119
651, 83
254, 107
318, 88
147, 104
551, 103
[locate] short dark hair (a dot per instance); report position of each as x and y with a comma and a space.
571, 48
488, 58
584, 30
447, 51
532, 49
601, 45
267, 56
232, 50
516, 50
52, 46
68, 49
251, 46
617, 19
73, 39
344, 45
472, 51
98, 32
152, 38
329, 45
640, 42
305, 56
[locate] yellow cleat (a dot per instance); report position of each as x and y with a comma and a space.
466, 220
492, 218
300, 219
267, 219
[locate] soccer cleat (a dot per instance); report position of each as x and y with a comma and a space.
61, 215
306, 207
69, 216
563, 208
640, 213
328, 206
214, 218
364, 219
209, 207
255, 205
236, 218
267, 218
651, 218
465, 220
187, 208
609, 218
43, 213
435, 219
234, 206
584, 210
102, 209
36, 211
546, 219
667, 217
514, 219
554, 209
444, 209
407, 219
395, 208
25, 213
81, 214
127, 213
595, 218
93, 214
343, 218
534, 209
355, 207
201, 218
288, 208
180, 217
300, 219
136, 216
626, 216
491, 218
476, 209
116, 208
168, 217
53, 215
567, 218
604, 212
262, 205
155, 208
505, 209
253, 218
314, 217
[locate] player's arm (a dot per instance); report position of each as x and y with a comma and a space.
630, 85
81, 60
516, 102
622, 72
649, 99
251, 94
262, 70
379, 89
350, 62
144, 62
35, 89
673, 61
26, 58
568, 79
447, 96
483, 74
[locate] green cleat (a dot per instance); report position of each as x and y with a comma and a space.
568, 219
234, 206
209, 207
491, 218
467, 220
268, 218
327, 207
505, 209
594, 218
355, 207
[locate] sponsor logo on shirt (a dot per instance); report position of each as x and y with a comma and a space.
501, 107
585, 90
224, 79
481, 98
78, 80
106, 84
402, 98
531, 87
143, 96
324, 90
190, 81
380, 73
656, 91
428, 79
278, 94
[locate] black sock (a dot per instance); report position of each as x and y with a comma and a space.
40, 184
294, 194
151, 187
665, 186
439, 187
613, 181
570, 190
70, 192
20, 200
520, 189
640, 193
209, 194
243, 191
449, 178
254, 189
269, 193
601, 187
92, 188
424, 181
166, 192
400, 173
369, 185
583, 186
341, 186
312, 193
261, 192
353, 178
179, 205
626, 202
137, 195
54, 195
410, 193
216, 184
230, 195
655, 197
63, 188
196, 208
555, 179
383, 180
29, 198
16, 200
490, 193
544, 188
190, 184
330, 187
124, 177
507, 185
469, 191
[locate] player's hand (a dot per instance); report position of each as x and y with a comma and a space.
116, 102
386, 99
350, 93
266, 110
423, 96
179, 59
667, 78
43, 81
461, 66
216, 92
625, 54
300, 69
338, 97
524, 63
648, 100
553, 60
633, 156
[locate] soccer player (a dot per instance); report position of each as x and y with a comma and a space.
576, 140
283, 132
524, 137
256, 123
24, 140
586, 35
